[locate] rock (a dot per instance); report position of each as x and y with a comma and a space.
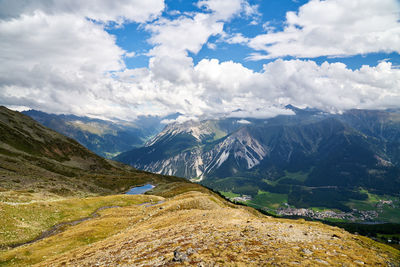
306, 251
190, 251
179, 256
322, 261
359, 262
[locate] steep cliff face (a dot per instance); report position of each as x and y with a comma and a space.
201, 160
191, 149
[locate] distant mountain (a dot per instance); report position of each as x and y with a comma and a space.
300, 156
105, 138
180, 148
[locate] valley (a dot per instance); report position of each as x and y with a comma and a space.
63, 205
314, 164
104, 137
374, 209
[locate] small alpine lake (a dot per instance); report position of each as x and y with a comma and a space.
140, 189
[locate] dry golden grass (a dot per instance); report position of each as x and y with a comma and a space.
21, 222
208, 231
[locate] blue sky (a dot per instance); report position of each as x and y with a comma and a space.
203, 58
133, 37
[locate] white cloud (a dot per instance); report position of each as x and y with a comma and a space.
264, 113
180, 119
334, 28
182, 34
211, 46
250, 10
100, 10
55, 59
330, 87
242, 121
222, 9
130, 54
62, 62
237, 38
267, 26
63, 42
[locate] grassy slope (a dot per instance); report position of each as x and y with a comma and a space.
25, 221
47, 178
42, 162
269, 200
217, 231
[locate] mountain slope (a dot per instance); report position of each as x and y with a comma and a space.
36, 158
105, 138
177, 149
59, 207
39, 167
298, 157
198, 229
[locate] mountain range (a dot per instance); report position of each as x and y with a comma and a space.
63, 205
105, 138
35, 157
336, 166
310, 159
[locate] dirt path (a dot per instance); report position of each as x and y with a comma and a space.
58, 228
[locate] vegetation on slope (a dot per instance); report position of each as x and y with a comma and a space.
51, 182
105, 138
198, 228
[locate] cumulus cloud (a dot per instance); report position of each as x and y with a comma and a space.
63, 42
214, 88
182, 34
330, 87
57, 60
222, 9
237, 38
100, 10
333, 28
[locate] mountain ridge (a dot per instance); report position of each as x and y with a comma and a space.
106, 138
285, 155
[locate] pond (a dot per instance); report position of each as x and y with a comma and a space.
140, 189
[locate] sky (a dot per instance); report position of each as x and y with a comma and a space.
123, 59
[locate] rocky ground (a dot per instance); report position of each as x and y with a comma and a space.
198, 229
